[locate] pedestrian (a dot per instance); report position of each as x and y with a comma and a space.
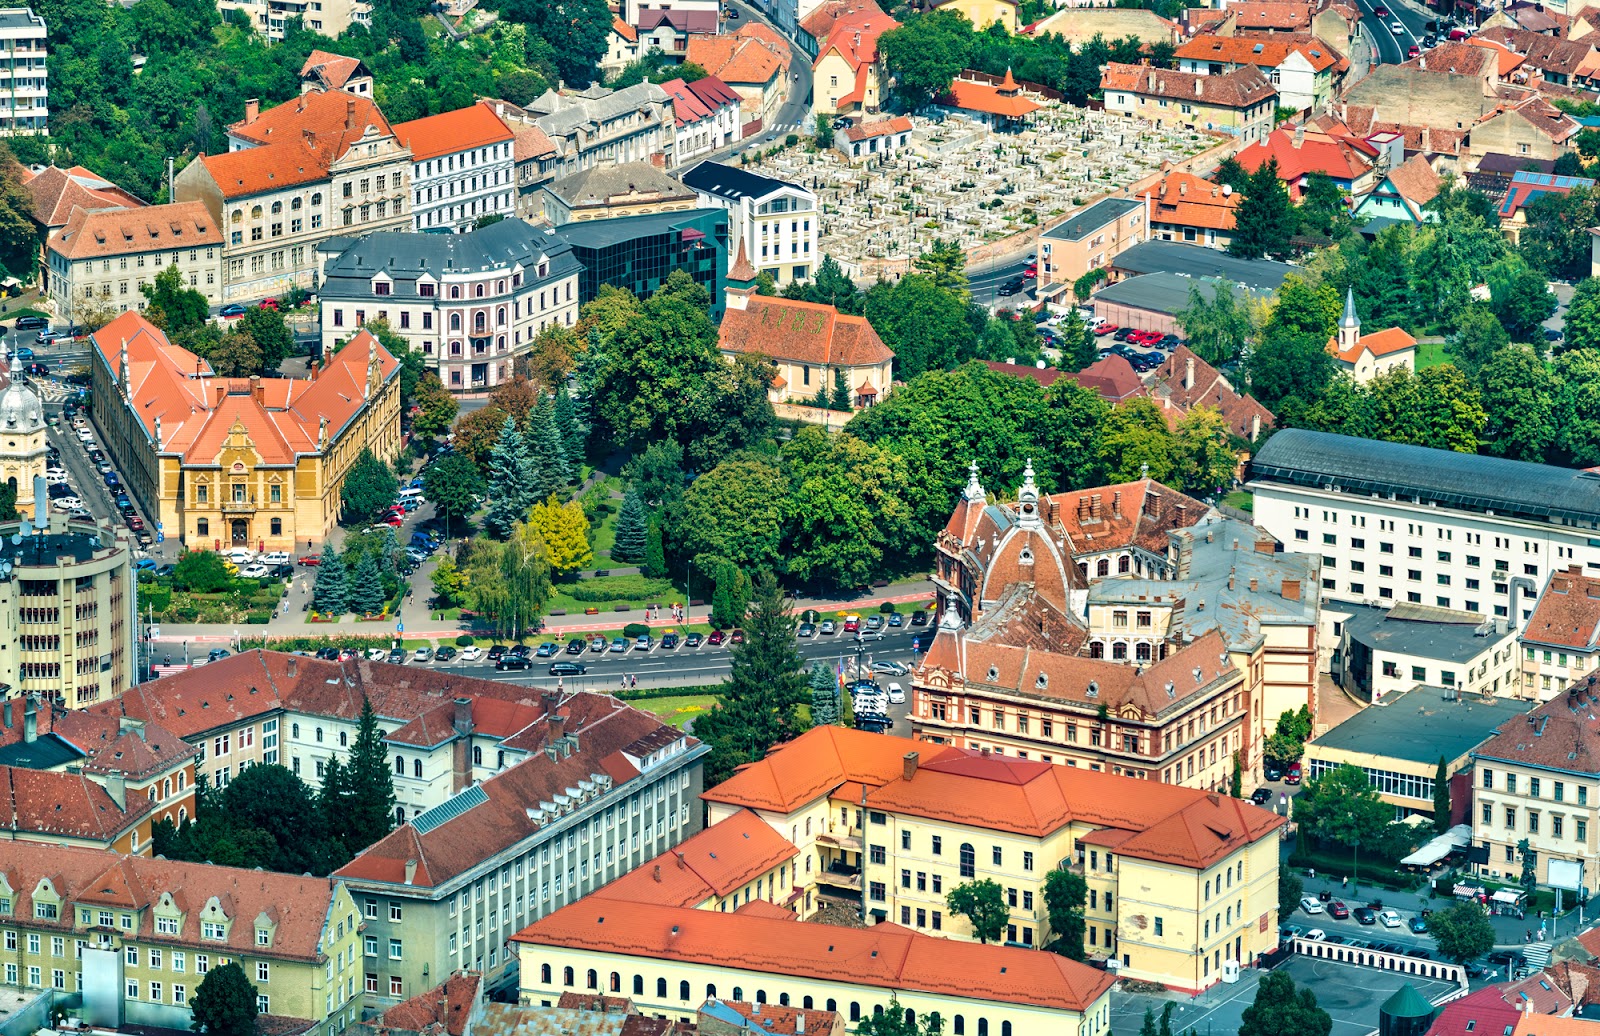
1344, 882
1313, 874
633, 680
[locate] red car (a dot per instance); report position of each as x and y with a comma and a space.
1413, 51
717, 637
311, 560
1381, 11
271, 304
1105, 328
736, 637
1031, 270
1338, 911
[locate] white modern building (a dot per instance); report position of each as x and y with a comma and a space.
776, 220
1398, 524
469, 303
328, 18
24, 98
462, 168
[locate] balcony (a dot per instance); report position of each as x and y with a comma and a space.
238, 507
838, 876
838, 841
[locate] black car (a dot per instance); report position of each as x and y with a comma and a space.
496, 653
444, 654
567, 669
1261, 796
282, 571
874, 723
509, 661
693, 640
329, 653
1364, 915
919, 618
576, 646
669, 641
31, 323
1507, 958
399, 656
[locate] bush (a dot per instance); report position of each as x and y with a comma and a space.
616, 588
465, 640
258, 617
886, 607
635, 629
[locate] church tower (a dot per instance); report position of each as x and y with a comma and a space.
1349, 323
22, 445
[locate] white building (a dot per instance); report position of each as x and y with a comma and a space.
706, 114
469, 303
777, 221
101, 259
328, 18
1398, 523
24, 99
462, 168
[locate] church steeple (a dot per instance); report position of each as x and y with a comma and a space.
1028, 501
1349, 323
974, 492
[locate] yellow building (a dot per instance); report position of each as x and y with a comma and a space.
1241, 103
236, 462
847, 73
89, 921
1201, 885
984, 13
739, 864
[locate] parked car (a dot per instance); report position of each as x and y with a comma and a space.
567, 669
471, 653
806, 629
255, 571
548, 649
736, 637
717, 636
1317, 934
827, 628
311, 560
1261, 796
1337, 910
508, 662
919, 617
497, 652
397, 657
1417, 925
24, 353
1365, 915
669, 640
576, 645
1105, 328
1391, 919
692, 640
1293, 776
423, 654
1311, 905
1272, 771
873, 724
276, 557
31, 323
874, 622
890, 668
897, 694
597, 645
231, 311
619, 645
145, 565
896, 620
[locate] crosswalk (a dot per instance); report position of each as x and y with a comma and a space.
51, 390
1537, 955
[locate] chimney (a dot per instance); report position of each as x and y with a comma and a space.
350, 113
8, 713
30, 719
677, 854
1094, 508
656, 873
558, 727
800, 1023
1255, 427
1152, 501
1291, 589
1183, 512
1083, 508
117, 788
257, 391
1230, 579
252, 108
1188, 372
1116, 504
1200, 87
1299, 136
908, 768
411, 871
1183, 188
463, 718
125, 724
551, 700
1255, 584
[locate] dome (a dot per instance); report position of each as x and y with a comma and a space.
20, 409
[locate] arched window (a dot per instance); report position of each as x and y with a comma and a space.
277, 207
455, 291
500, 316
500, 287
295, 205
638, 985
166, 788
399, 814
805, 1002
1005, 1029
1141, 652
255, 212
738, 992
969, 860
877, 1010
616, 982
566, 976
455, 321
316, 199
416, 768
183, 814
238, 216
480, 322
783, 998
591, 978
1102, 567
833, 1005
960, 1027
855, 1011
983, 1027
478, 293
294, 731
1097, 650
761, 996
1119, 651
544, 974
400, 765
477, 755
661, 989
500, 760
319, 735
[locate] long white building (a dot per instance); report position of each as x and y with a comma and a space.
462, 168
1398, 523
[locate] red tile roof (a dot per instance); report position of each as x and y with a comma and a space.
788, 330
332, 70
1209, 388
448, 1005
717, 862
1242, 88
692, 102
1561, 734
1112, 377
43, 803
1314, 153
1483, 1013
885, 956
294, 143
54, 193
138, 749
1186, 200
1567, 615
90, 235
1258, 15
879, 128
750, 56
1380, 343
779, 1019
623, 29
854, 36
450, 132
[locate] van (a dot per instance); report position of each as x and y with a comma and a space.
410, 494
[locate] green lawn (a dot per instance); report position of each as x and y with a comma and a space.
1431, 354
1242, 499
677, 711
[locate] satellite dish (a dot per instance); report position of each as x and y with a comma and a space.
26, 528
16, 539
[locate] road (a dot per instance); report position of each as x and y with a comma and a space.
794, 115
1390, 48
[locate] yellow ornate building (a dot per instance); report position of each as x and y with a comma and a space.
22, 447
244, 462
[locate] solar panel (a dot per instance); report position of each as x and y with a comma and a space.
449, 809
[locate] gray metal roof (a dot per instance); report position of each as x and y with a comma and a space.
406, 256
1089, 220
1463, 481
564, 114
1418, 631
1161, 292
603, 233
449, 809
45, 752
1199, 261
1420, 725
731, 182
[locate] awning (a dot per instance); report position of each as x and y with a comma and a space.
1440, 846
1509, 896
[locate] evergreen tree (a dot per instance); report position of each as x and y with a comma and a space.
547, 456
510, 481
369, 809
333, 804
633, 530
225, 1003
841, 391
574, 437
1441, 797
1149, 1026
330, 594
1077, 345
655, 551
366, 586
1264, 219
824, 695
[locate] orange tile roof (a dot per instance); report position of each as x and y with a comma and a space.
854, 36
789, 330
1380, 343
623, 29
1241, 50
1567, 615
294, 143
54, 193
88, 235
1242, 88
880, 128
450, 132
1209, 388
748, 56
718, 861
778, 1019
43, 803
448, 1005
198, 413
1258, 15
1186, 200
139, 751
1507, 60
812, 766
989, 99
334, 70
1316, 153
885, 956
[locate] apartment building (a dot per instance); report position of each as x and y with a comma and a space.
1538, 778
776, 221
740, 863
1090, 239
61, 810
599, 125
906, 828
1241, 103
101, 259
1560, 645
247, 462
79, 920
1303, 73
470, 303
323, 164
1377, 652
705, 115
328, 18
24, 91
462, 168
600, 789
1396, 523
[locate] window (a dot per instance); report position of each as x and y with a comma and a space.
969, 860
394, 949
263, 971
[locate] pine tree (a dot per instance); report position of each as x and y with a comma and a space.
574, 438
333, 804
824, 695
369, 813
330, 595
547, 456
1441, 797
510, 481
366, 586
655, 551
633, 530
841, 391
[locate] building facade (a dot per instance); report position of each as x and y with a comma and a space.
613, 191
705, 115
815, 348
1241, 103
776, 221
232, 461
600, 125
24, 92
328, 18
462, 168
324, 164
1560, 645
470, 303
100, 260
1090, 239
639, 252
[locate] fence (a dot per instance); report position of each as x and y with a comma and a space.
1398, 962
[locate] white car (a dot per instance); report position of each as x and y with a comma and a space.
67, 503
874, 704
1316, 934
897, 694
84, 435
55, 474
240, 556
471, 654
256, 571
377, 654
1311, 905
277, 557
1390, 918
1396, 28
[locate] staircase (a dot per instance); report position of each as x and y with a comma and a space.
1537, 955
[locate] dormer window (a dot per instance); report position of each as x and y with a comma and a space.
380, 287
263, 937
44, 911
215, 931
425, 290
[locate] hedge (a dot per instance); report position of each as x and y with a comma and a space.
646, 693
604, 589
635, 629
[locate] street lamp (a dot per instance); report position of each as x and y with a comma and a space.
1355, 845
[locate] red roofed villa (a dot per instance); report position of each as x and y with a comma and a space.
812, 344
1364, 357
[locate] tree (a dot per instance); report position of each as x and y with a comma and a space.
1436, 407
272, 336
1462, 932
366, 587
1203, 451
1477, 337
983, 904
329, 595
573, 435
368, 814
1280, 1009
1264, 220
1556, 239
1285, 367
655, 553
926, 327
1236, 785
510, 481
1077, 346
234, 354
841, 398
633, 530
436, 407
1084, 286
1583, 315
268, 799
1578, 407
547, 456
509, 582
369, 486
945, 264
825, 695
202, 571
845, 509
454, 486
1216, 327
1301, 309
224, 1004
565, 531
572, 33
1231, 172
1383, 280
449, 583
925, 54
1441, 798
822, 129
1322, 208
1136, 443
1521, 298
1519, 395
1064, 897
1287, 743
477, 433
174, 307
1342, 807
751, 487
730, 590
759, 702
1148, 1026
1290, 889
895, 1021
